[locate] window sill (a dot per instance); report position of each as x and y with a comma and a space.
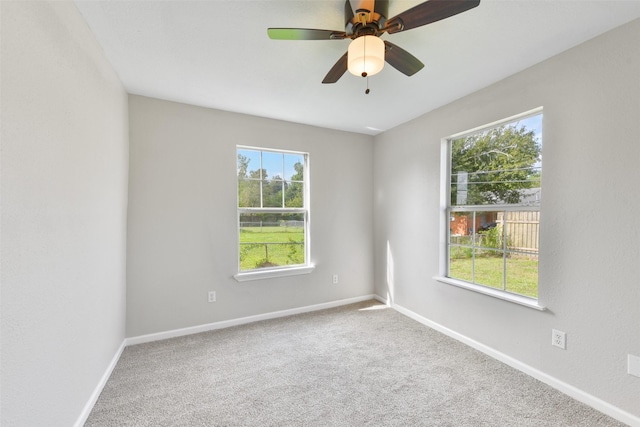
506, 296
271, 273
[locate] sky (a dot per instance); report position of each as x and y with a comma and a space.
533, 123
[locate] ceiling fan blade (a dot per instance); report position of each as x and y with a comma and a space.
401, 60
428, 12
304, 34
337, 70
348, 12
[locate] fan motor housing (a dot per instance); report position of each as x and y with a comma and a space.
361, 21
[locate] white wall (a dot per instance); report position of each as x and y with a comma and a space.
64, 185
182, 238
589, 277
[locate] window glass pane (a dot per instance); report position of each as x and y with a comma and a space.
461, 245
271, 240
522, 275
248, 193
478, 258
489, 230
272, 193
498, 166
248, 164
461, 227
488, 268
294, 167
272, 165
522, 230
294, 195
461, 263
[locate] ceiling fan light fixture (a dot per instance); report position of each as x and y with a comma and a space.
365, 56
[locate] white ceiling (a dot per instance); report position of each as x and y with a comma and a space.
217, 54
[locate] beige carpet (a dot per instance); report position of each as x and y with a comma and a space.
357, 365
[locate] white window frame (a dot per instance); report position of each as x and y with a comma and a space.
280, 271
446, 210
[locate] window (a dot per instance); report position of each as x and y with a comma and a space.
491, 208
273, 213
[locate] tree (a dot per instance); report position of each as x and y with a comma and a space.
293, 194
272, 192
496, 166
250, 183
243, 165
248, 189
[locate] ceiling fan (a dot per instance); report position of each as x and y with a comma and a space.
365, 24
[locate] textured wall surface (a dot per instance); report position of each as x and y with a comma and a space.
182, 239
588, 264
64, 186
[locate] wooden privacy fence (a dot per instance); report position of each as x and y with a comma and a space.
522, 229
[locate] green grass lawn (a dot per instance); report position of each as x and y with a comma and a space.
271, 247
522, 273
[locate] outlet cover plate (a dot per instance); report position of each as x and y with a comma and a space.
559, 339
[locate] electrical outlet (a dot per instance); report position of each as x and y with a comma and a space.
559, 339
633, 365
335, 279
212, 296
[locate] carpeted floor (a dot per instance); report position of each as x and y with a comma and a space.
358, 365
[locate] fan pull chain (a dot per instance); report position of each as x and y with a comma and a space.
366, 92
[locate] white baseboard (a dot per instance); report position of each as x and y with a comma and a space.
567, 389
202, 328
96, 392
243, 320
